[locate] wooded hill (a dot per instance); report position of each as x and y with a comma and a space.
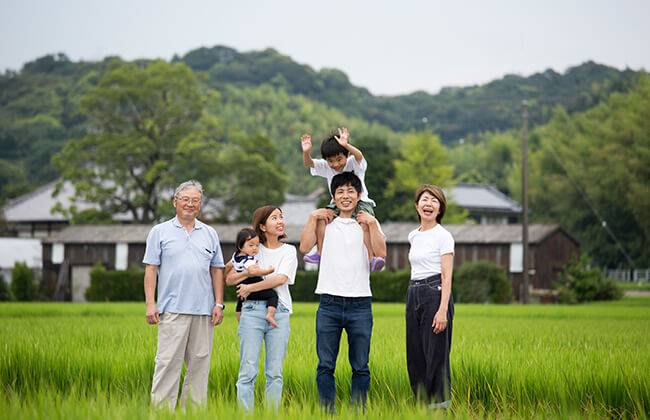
452, 113
264, 92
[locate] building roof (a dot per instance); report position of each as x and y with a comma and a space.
395, 233
479, 234
36, 206
483, 198
137, 234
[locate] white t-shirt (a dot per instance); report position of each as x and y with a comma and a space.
321, 168
426, 249
285, 261
344, 266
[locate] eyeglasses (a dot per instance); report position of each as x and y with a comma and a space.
186, 200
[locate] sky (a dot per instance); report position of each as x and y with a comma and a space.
388, 47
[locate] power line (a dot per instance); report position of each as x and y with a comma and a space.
603, 222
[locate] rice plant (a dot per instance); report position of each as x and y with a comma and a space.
508, 361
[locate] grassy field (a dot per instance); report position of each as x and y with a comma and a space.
508, 361
631, 285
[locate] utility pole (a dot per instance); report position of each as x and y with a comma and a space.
524, 193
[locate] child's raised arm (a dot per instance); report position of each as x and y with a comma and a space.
343, 139
305, 141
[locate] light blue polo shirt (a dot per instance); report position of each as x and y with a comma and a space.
184, 260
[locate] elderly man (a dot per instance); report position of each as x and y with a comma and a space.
185, 255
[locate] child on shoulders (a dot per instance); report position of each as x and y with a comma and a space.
339, 156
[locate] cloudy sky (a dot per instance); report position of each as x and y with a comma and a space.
389, 47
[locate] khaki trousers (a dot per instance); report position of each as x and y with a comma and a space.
182, 338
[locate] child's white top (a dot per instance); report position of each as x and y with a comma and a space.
426, 249
242, 262
285, 261
344, 267
321, 168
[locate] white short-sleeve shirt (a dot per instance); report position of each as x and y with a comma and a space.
344, 266
321, 168
285, 261
184, 260
426, 249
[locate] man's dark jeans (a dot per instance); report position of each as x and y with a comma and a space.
336, 313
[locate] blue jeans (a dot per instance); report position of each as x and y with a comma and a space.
336, 313
253, 328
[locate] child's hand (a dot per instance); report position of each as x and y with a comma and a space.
365, 218
254, 270
343, 137
306, 143
268, 271
324, 214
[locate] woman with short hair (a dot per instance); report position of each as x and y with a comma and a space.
429, 304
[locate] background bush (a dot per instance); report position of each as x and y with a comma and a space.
480, 282
390, 286
116, 285
22, 282
581, 283
474, 282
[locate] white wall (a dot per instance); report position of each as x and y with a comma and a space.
20, 249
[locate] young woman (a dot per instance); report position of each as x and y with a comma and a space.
429, 304
253, 327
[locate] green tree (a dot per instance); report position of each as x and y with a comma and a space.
4, 290
488, 160
150, 130
423, 160
381, 169
137, 116
248, 178
605, 154
22, 282
12, 180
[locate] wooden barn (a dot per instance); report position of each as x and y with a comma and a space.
69, 255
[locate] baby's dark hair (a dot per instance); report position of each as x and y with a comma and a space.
330, 147
345, 178
244, 235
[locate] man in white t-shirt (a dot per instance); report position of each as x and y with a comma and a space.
344, 286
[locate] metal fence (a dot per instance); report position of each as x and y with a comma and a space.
641, 275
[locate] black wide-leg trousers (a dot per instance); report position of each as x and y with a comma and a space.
427, 354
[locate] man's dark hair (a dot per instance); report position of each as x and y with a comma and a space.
330, 147
244, 235
345, 178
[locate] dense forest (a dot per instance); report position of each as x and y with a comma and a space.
239, 116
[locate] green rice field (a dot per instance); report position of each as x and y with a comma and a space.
68, 361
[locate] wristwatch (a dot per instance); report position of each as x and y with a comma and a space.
220, 305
